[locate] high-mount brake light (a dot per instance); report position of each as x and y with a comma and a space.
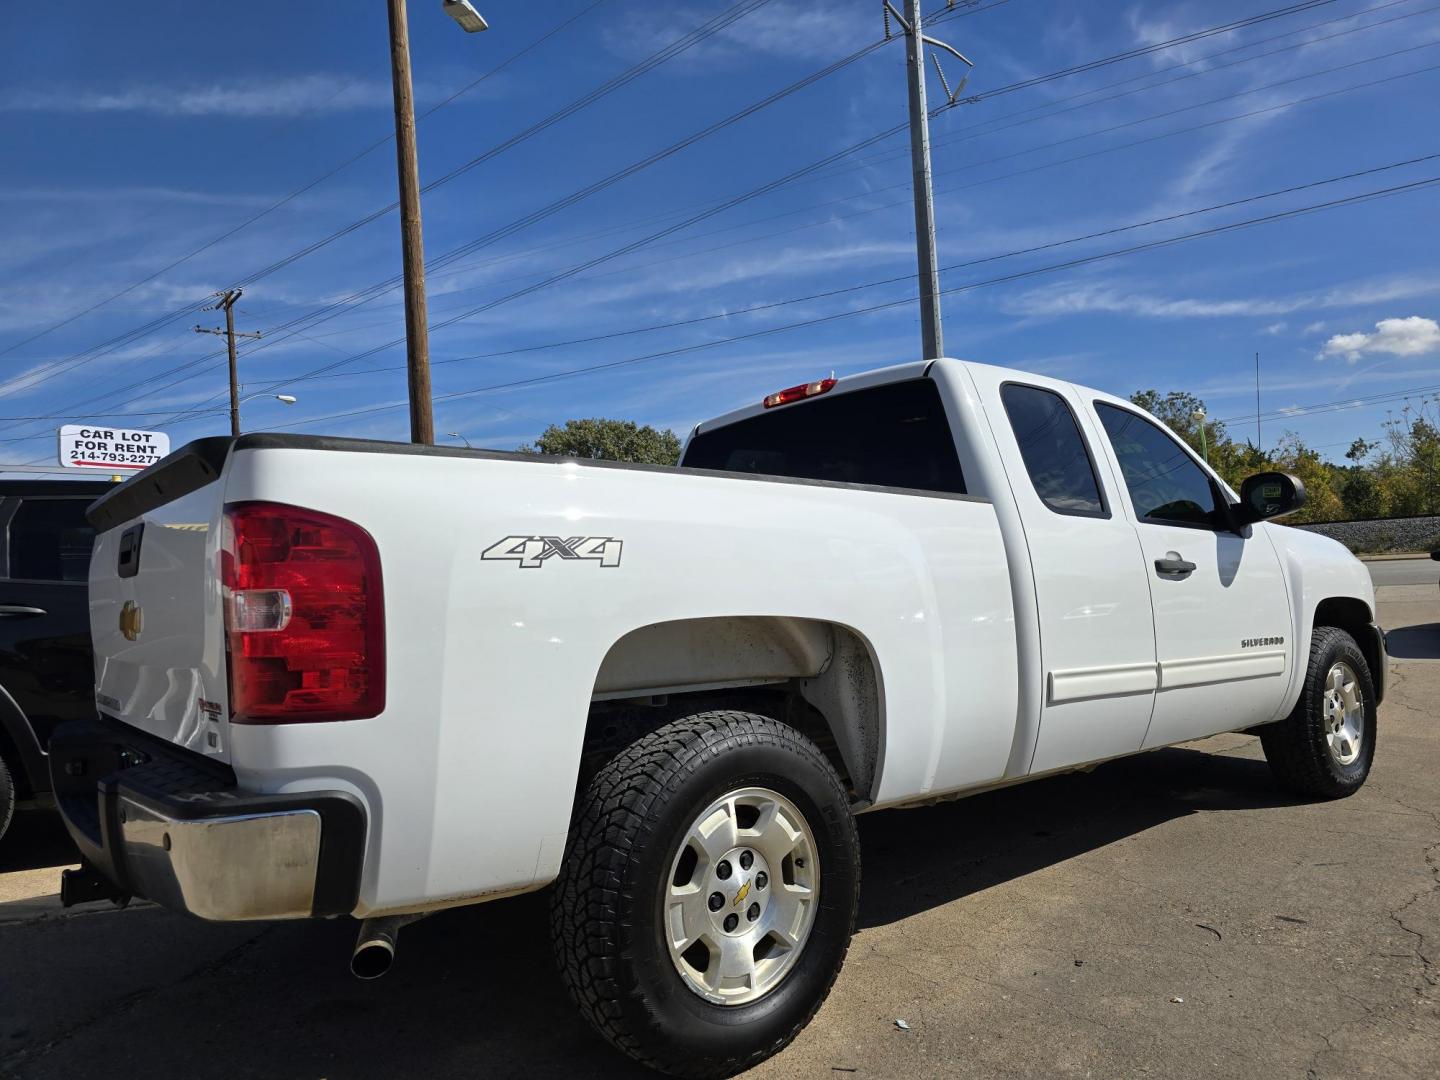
304, 616
799, 393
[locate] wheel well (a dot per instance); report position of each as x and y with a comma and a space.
19, 774
1356, 619
819, 677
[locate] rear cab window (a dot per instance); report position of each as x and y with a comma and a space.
1054, 452
47, 539
895, 435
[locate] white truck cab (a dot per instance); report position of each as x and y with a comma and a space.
342, 677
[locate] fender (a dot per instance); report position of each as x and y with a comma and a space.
1318, 569
32, 770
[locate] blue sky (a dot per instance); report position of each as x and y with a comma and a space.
136, 134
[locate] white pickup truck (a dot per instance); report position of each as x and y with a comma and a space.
341, 677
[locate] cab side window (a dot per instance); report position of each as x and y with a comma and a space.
1054, 453
1166, 485
50, 540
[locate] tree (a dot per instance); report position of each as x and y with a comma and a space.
608, 440
1362, 496
1322, 500
1176, 410
1359, 450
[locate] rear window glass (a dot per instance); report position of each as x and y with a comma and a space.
50, 540
894, 435
1055, 455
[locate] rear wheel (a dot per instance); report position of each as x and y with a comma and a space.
1325, 747
7, 797
708, 893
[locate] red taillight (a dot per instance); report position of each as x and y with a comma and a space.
304, 616
799, 393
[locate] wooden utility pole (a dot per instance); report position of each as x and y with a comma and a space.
412, 248
227, 305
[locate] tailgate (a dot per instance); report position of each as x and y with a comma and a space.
156, 618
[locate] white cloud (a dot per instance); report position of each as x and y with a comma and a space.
286, 96
787, 28
1410, 336
1121, 299
1316, 327
1275, 329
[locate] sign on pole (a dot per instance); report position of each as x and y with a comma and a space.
93, 446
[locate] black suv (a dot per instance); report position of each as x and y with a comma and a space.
47, 674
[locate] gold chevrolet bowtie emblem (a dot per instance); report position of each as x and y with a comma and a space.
132, 620
744, 892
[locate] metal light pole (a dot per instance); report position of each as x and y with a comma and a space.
932, 336
1258, 445
412, 247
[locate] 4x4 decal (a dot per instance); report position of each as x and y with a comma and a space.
533, 551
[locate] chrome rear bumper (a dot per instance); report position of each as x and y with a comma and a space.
155, 821
253, 866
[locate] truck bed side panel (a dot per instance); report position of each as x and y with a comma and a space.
491, 663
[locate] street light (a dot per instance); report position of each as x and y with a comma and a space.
412, 248
284, 399
1199, 417
464, 13
457, 435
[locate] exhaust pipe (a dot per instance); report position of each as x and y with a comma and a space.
376, 945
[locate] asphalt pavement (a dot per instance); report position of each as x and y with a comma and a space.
1417, 571
1171, 915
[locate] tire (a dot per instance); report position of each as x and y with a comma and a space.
7, 798
637, 837
1306, 753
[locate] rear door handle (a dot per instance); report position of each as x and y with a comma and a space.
1173, 564
19, 611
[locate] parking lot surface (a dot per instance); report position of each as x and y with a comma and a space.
1171, 914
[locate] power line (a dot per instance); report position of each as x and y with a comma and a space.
1340, 405
581, 267
940, 14
706, 30
1208, 124
1417, 185
184, 413
701, 319
985, 127
826, 174
1035, 249
370, 292
563, 24
345, 303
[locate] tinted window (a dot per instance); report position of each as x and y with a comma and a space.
1164, 481
50, 540
894, 436
1055, 455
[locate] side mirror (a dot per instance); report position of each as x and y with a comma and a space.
1268, 495
1435, 555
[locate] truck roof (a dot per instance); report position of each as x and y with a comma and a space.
861, 381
